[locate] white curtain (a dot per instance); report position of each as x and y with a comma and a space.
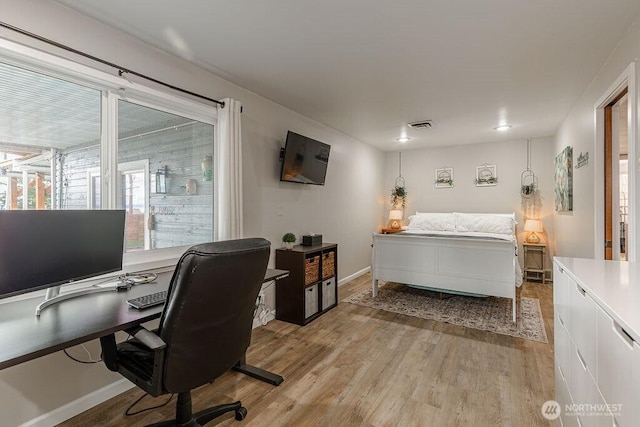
227, 172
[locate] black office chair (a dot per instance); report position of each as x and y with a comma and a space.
204, 330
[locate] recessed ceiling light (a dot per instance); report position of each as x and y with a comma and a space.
403, 139
502, 128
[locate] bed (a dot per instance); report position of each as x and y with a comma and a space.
471, 254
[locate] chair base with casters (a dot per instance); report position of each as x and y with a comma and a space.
185, 418
149, 351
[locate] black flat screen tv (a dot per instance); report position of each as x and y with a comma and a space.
41, 249
305, 160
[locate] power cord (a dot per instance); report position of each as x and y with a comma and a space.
128, 280
128, 413
261, 309
86, 362
264, 316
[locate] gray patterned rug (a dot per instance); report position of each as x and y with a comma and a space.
488, 313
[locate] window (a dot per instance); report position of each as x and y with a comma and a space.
63, 125
48, 127
177, 147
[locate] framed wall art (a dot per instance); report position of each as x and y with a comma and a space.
563, 176
444, 177
486, 175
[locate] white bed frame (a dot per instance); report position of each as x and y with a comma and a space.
459, 264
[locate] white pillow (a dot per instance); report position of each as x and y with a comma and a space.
432, 221
485, 223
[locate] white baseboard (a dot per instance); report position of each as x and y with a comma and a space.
80, 405
354, 276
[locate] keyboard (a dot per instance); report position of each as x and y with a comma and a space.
146, 301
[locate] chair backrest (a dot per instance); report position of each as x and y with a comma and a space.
208, 317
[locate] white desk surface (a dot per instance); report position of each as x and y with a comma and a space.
614, 285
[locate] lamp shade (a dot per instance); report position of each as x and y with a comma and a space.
395, 214
533, 225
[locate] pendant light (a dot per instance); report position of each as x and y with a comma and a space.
399, 192
528, 179
529, 192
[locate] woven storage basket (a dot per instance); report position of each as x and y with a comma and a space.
312, 270
328, 264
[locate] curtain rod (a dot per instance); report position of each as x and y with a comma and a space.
121, 70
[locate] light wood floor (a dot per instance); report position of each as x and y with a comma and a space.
357, 366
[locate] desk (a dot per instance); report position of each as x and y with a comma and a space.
77, 320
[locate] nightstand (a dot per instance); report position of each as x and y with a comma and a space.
535, 257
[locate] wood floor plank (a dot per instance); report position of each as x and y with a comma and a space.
359, 366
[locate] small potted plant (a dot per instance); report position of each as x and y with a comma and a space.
288, 240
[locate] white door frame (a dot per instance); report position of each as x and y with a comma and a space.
136, 165
627, 79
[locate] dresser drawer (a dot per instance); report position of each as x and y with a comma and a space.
562, 346
563, 397
635, 412
616, 354
585, 392
560, 293
582, 324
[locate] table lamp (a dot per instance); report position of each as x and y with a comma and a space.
395, 218
533, 226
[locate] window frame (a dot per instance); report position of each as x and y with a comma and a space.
114, 88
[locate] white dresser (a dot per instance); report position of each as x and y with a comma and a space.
597, 342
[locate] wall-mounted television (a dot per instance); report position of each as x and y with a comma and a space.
304, 160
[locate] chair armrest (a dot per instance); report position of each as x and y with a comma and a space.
115, 361
147, 337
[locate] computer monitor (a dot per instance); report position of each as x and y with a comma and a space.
42, 249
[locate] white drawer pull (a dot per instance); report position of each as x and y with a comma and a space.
560, 319
582, 362
619, 330
582, 291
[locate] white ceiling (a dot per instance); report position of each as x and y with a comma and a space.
367, 67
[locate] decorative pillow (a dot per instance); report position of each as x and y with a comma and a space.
432, 221
485, 223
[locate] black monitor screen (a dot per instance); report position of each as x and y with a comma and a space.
305, 160
39, 249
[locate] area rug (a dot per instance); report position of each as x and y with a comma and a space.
485, 313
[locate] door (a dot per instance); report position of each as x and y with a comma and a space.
133, 197
616, 189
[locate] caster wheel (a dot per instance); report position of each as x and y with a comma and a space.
241, 413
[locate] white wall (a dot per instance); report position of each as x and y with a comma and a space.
575, 230
346, 210
510, 158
